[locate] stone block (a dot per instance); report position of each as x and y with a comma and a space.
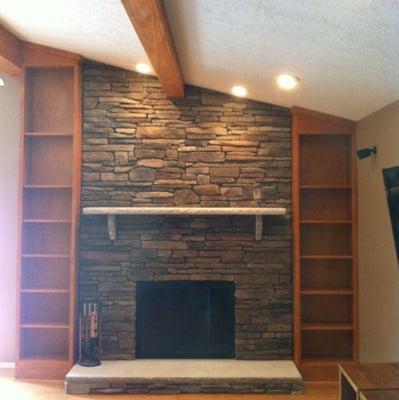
229, 256
209, 98
185, 196
200, 156
159, 132
225, 171
100, 156
172, 245
206, 189
142, 174
151, 163
111, 176
150, 195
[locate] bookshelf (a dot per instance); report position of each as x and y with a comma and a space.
325, 259
49, 210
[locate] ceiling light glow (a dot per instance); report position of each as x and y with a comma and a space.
287, 82
143, 68
239, 91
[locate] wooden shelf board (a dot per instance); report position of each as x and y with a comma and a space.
43, 326
47, 221
325, 361
39, 358
52, 291
327, 292
46, 255
28, 186
48, 134
325, 133
326, 257
324, 187
325, 221
327, 327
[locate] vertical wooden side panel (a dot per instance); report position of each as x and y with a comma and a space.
355, 266
76, 180
296, 241
20, 210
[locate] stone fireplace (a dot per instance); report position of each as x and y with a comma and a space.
208, 150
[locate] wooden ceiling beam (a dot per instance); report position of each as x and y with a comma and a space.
151, 25
10, 52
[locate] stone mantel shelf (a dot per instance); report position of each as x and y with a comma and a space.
113, 212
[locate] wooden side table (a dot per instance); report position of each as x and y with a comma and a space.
379, 394
354, 378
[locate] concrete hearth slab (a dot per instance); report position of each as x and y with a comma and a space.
185, 376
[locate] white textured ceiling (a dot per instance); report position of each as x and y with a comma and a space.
346, 52
96, 29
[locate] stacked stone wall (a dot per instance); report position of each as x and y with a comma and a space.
208, 150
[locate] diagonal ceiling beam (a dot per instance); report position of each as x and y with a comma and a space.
10, 52
151, 25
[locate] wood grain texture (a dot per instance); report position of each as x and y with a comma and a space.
313, 122
10, 52
151, 25
36, 55
379, 395
372, 376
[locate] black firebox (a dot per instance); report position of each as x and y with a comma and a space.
185, 319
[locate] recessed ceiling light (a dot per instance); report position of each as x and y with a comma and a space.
239, 91
287, 82
1, 82
143, 68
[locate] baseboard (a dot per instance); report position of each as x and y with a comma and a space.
7, 365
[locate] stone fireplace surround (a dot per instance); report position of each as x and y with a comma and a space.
210, 150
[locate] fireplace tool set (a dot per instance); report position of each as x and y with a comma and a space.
89, 336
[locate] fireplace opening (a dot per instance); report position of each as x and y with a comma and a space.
185, 319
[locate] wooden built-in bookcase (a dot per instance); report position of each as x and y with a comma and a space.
49, 212
325, 231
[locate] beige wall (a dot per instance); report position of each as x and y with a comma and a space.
9, 162
378, 265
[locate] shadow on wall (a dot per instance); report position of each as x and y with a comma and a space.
9, 175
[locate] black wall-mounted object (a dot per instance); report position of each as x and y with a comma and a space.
391, 181
185, 319
367, 152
